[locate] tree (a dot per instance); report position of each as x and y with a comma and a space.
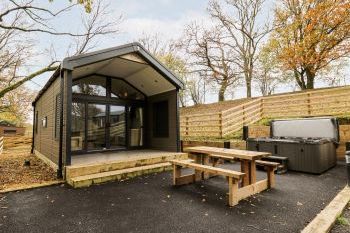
239, 21
16, 105
268, 71
167, 53
310, 35
19, 22
211, 57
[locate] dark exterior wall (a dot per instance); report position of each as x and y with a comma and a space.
44, 139
170, 143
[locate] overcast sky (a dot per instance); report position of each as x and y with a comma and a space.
166, 17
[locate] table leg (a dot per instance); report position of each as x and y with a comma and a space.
198, 174
206, 175
252, 170
245, 169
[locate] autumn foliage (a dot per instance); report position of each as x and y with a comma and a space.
310, 35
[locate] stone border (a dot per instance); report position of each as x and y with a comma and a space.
324, 221
32, 186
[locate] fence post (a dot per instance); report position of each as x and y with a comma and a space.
1, 144
220, 125
308, 104
186, 126
262, 108
244, 117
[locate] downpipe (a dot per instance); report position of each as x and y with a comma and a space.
347, 159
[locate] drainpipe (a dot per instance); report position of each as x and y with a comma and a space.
347, 158
60, 155
32, 150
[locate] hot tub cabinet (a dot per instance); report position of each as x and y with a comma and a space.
309, 144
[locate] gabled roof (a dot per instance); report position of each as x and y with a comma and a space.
70, 63
6, 123
75, 62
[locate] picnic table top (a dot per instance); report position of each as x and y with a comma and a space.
234, 153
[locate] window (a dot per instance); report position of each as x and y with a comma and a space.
44, 122
93, 85
10, 131
78, 126
122, 90
57, 115
161, 119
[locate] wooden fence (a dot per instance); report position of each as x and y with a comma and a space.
322, 102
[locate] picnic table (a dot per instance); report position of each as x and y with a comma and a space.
202, 156
248, 159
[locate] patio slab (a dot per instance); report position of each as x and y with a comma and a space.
151, 204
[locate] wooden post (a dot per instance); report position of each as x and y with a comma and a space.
308, 104
233, 192
262, 108
186, 125
198, 174
270, 177
1, 144
252, 170
176, 173
243, 117
220, 124
206, 175
245, 169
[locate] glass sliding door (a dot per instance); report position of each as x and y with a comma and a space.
78, 127
117, 126
136, 126
96, 126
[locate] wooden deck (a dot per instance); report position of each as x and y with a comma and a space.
88, 169
107, 157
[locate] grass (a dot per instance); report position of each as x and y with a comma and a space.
342, 221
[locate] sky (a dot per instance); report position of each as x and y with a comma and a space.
165, 17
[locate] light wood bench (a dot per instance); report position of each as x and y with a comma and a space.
233, 177
270, 168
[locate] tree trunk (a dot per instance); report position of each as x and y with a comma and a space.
310, 79
248, 81
222, 91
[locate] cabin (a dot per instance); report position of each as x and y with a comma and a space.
98, 107
9, 129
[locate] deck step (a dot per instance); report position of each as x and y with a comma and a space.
89, 169
97, 178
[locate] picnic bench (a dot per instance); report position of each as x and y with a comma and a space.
241, 184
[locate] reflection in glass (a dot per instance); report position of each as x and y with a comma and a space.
93, 85
122, 90
136, 126
96, 133
117, 126
78, 126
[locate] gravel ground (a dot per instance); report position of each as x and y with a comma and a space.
151, 204
343, 223
14, 175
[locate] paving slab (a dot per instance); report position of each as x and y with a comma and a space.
151, 204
